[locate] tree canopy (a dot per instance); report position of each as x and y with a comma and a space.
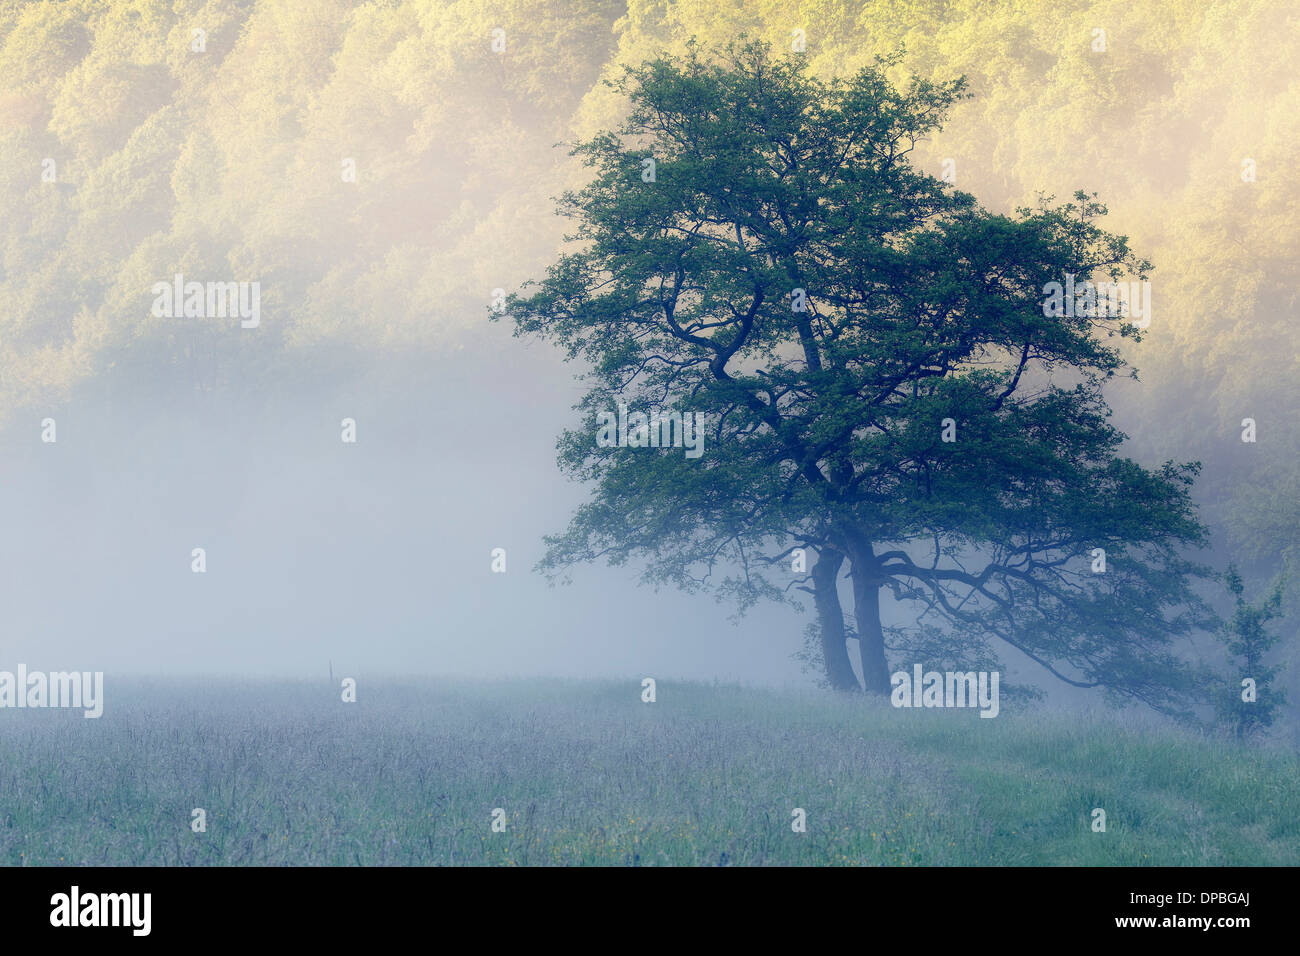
871, 350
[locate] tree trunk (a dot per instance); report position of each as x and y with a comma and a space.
830, 617
866, 609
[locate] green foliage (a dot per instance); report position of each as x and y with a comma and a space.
1248, 640
773, 190
226, 163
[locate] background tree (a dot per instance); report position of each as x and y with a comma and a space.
1250, 702
872, 351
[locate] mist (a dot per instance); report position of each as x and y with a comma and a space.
374, 557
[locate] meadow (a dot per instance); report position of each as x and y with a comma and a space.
586, 773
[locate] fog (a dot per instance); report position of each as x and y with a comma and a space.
366, 559
375, 556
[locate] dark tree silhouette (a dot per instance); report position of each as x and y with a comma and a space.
881, 380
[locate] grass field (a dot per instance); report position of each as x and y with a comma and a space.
588, 774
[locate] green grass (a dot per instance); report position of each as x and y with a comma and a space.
588, 774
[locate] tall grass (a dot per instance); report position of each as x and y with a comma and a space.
588, 774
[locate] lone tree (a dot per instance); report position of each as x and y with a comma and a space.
882, 383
